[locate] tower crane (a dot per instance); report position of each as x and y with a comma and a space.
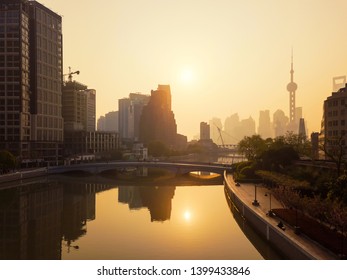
71, 73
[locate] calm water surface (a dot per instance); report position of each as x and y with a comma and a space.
76, 219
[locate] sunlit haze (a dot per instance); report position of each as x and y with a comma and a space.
219, 56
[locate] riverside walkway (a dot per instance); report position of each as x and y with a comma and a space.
246, 193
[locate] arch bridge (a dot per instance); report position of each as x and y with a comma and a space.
179, 168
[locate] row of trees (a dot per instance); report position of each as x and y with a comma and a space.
270, 160
275, 152
277, 155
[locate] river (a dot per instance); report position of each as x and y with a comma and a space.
91, 218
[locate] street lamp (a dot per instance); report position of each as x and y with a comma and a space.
255, 201
269, 213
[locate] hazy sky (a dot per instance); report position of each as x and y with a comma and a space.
219, 56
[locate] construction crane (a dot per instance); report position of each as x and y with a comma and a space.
71, 73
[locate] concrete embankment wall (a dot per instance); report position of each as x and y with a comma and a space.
274, 235
23, 175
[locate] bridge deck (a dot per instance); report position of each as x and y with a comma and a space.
178, 167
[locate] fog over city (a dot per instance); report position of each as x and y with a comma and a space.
219, 57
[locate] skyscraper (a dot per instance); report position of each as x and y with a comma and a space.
78, 107
264, 128
158, 122
280, 121
204, 131
292, 87
31, 123
130, 110
15, 94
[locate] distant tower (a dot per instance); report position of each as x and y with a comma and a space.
302, 128
292, 87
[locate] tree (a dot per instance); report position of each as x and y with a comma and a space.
277, 158
252, 146
339, 218
334, 149
158, 149
7, 161
299, 143
337, 189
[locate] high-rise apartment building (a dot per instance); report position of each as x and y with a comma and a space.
31, 123
204, 131
101, 123
123, 117
91, 109
79, 104
334, 123
80, 137
111, 121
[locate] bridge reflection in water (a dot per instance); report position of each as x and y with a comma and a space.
175, 167
94, 217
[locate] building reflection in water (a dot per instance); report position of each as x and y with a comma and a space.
36, 218
30, 222
158, 200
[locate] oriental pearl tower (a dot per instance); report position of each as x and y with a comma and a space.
292, 87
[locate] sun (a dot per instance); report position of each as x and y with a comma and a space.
187, 215
187, 76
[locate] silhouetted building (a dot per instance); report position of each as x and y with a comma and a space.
111, 121
280, 121
90, 143
231, 126
264, 129
31, 123
333, 132
247, 127
302, 128
91, 110
315, 145
157, 122
204, 131
123, 117
101, 124
130, 111
236, 129
138, 101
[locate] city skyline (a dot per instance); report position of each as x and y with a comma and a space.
219, 58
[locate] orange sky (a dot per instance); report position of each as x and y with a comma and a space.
235, 54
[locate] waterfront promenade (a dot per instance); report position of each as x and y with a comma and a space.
246, 193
